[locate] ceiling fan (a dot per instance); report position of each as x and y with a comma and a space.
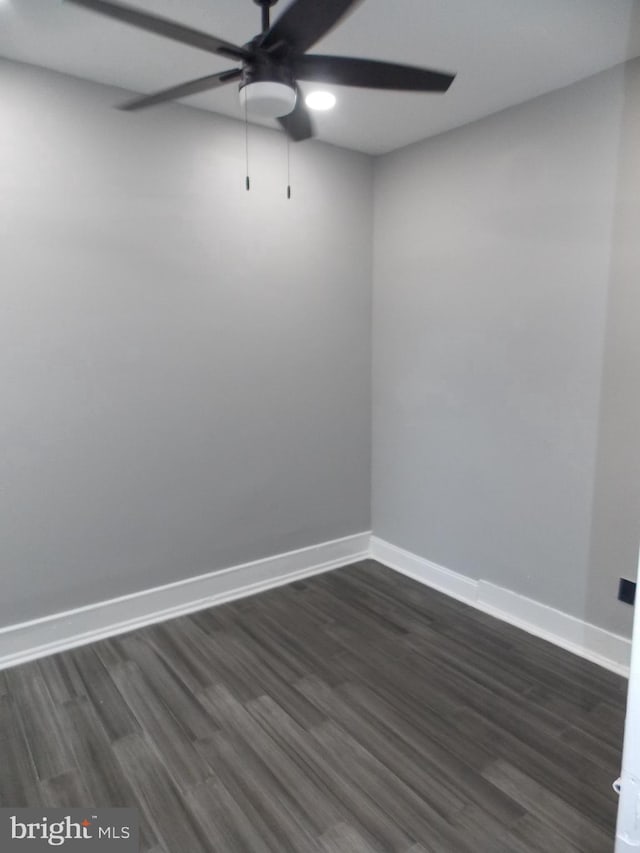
274, 60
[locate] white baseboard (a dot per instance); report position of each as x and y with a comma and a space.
595, 644
51, 634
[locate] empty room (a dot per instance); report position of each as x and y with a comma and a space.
320, 433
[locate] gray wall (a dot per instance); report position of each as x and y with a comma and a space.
615, 530
496, 431
185, 366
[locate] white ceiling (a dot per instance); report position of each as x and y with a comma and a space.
504, 52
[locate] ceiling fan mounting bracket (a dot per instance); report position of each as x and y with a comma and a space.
265, 5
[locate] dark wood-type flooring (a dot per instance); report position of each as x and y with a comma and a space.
355, 712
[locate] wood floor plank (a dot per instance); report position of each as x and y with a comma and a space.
343, 838
357, 804
66, 791
113, 712
522, 837
448, 754
550, 809
18, 774
294, 786
395, 800
531, 834
158, 798
226, 824
569, 775
392, 752
256, 787
606, 755
175, 693
177, 752
98, 766
62, 678
258, 678
352, 712
40, 722
183, 652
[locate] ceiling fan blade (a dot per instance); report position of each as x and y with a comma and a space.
163, 27
369, 73
304, 22
298, 125
203, 84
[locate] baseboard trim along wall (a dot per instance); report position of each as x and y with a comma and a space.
595, 644
51, 634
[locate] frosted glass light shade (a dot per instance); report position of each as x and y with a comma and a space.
267, 99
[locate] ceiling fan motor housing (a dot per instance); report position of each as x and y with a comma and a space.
267, 90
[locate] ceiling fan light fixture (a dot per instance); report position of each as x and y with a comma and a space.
268, 99
320, 100
273, 61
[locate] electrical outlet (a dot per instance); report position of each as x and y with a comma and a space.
627, 591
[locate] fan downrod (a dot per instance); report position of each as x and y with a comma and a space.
265, 5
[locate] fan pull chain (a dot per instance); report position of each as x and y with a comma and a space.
246, 145
288, 167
